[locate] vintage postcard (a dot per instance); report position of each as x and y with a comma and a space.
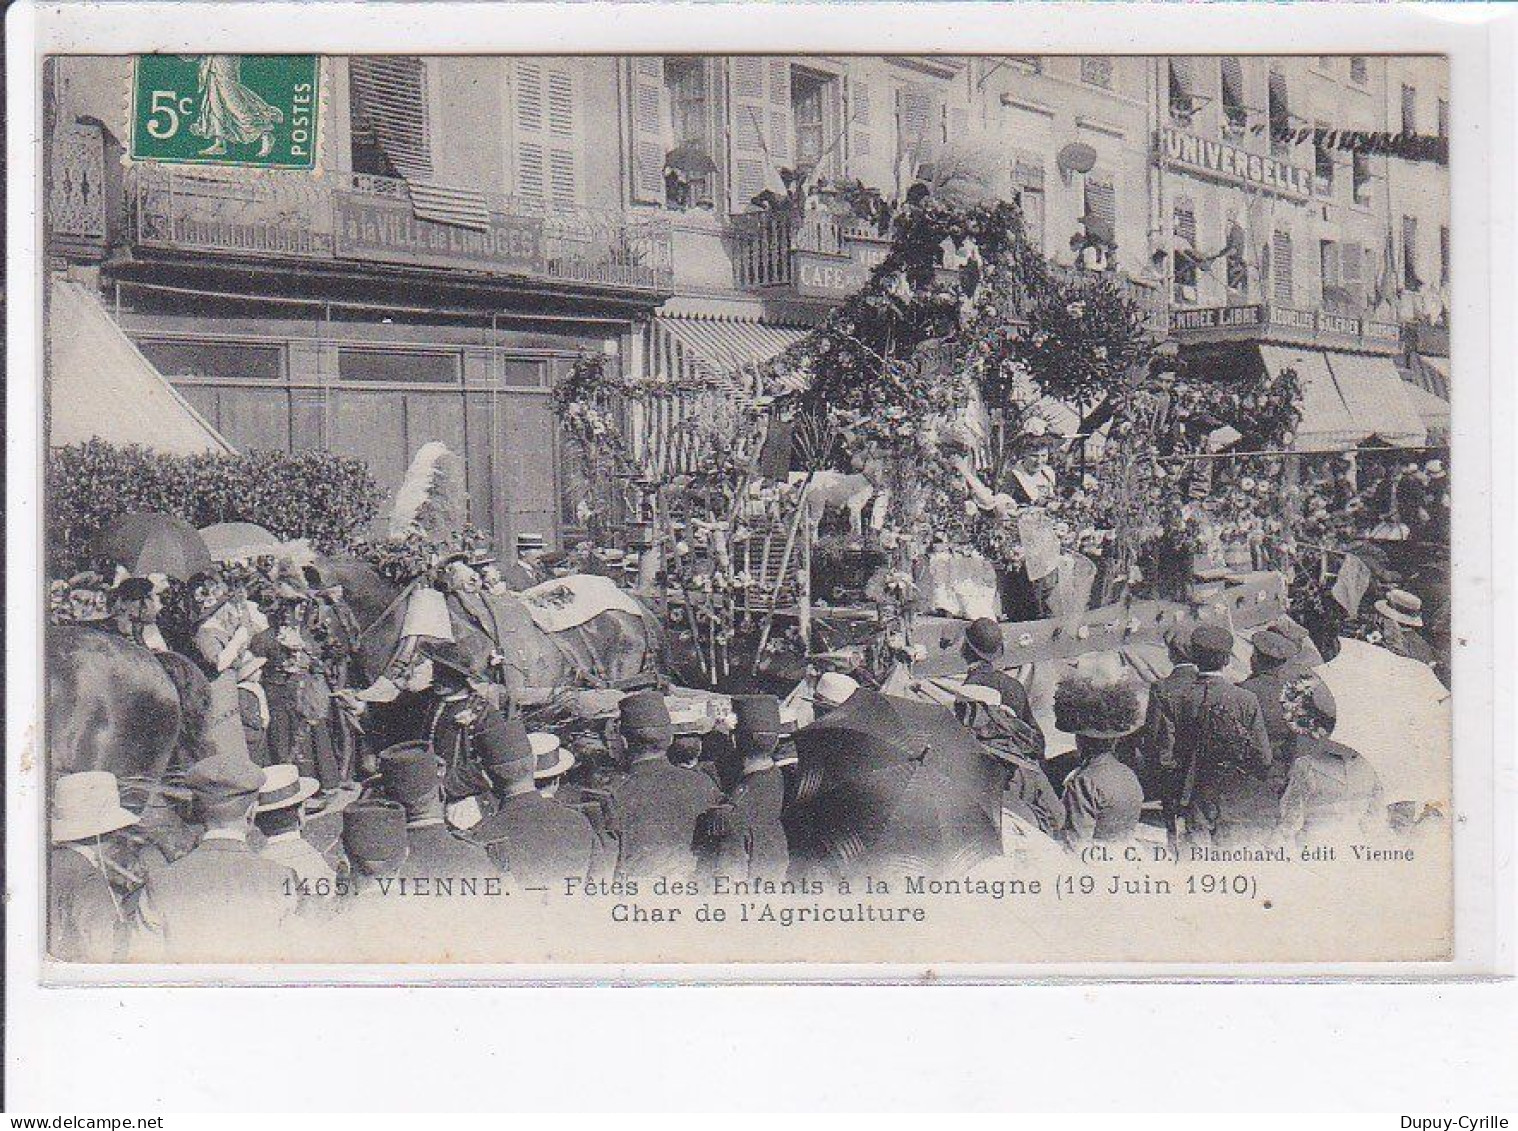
747, 508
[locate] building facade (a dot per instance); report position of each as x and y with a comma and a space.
478, 222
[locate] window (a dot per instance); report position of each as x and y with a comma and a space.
1409, 109
1235, 265
1335, 300
546, 137
1184, 217
1279, 112
1028, 193
520, 374
1358, 70
387, 114
1280, 260
1443, 125
919, 124
1235, 115
1101, 203
814, 114
1323, 164
1352, 276
1096, 70
1360, 173
218, 361
1182, 90
689, 184
398, 366
1410, 278
1444, 257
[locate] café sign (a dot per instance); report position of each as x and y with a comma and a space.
386, 231
1220, 161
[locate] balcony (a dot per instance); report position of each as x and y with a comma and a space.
365, 220
1255, 322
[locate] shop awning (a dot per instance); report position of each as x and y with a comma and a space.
101, 385
1377, 397
1430, 373
1432, 410
723, 351
1327, 423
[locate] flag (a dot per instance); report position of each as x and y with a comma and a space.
1350, 586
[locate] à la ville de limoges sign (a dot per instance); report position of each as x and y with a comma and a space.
389, 232
1221, 161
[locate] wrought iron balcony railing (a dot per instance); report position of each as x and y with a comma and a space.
372, 219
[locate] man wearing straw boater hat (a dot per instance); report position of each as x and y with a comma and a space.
541, 841
84, 916
281, 817
656, 807
1398, 617
222, 897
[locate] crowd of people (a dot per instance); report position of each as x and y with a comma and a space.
287, 818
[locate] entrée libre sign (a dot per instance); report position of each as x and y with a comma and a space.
1230, 163
389, 232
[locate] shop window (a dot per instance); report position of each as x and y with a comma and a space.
1360, 172
1409, 109
387, 116
216, 361
1359, 70
1279, 112
1183, 102
524, 374
1235, 113
1323, 164
395, 367
1028, 193
1280, 261
1410, 277
1096, 70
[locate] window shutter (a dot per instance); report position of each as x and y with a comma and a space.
780, 111
645, 90
918, 117
861, 112
1028, 188
1182, 79
1329, 263
1280, 106
1101, 199
1280, 258
1185, 220
751, 170
1351, 270
547, 156
388, 95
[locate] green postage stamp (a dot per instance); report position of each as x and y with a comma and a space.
258, 110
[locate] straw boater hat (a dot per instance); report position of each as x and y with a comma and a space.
552, 759
1101, 698
284, 787
1401, 606
87, 805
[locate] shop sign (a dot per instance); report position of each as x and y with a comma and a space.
1216, 318
1290, 319
1338, 324
378, 230
1221, 161
828, 276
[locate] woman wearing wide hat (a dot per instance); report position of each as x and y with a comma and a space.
1100, 702
1399, 615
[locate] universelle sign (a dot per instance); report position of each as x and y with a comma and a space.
258, 110
1226, 162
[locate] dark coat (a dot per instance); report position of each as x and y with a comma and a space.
654, 812
435, 852
1221, 741
1268, 688
466, 747
537, 840
82, 921
1014, 696
215, 902
757, 846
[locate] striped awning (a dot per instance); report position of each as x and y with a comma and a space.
723, 351
445, 204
